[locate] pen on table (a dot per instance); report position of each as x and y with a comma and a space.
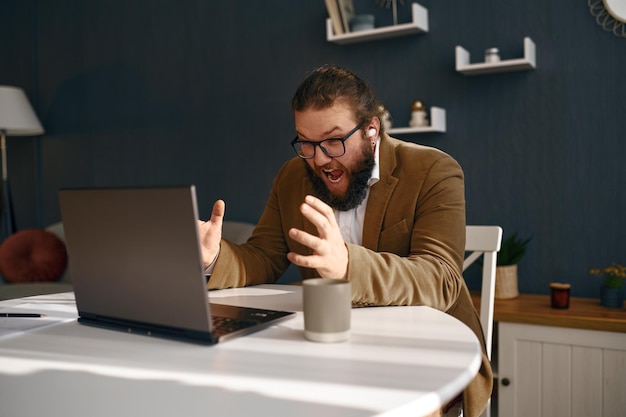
31, 315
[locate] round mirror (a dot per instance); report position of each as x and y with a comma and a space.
610, 14
616, 8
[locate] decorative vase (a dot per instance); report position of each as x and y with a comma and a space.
612, 297
506, 282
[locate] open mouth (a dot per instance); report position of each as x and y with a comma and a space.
333, 175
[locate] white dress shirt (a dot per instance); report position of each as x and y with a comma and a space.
351, 222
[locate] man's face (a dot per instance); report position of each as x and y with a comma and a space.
340, 181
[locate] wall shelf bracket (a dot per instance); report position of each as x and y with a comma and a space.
419, 24
437, 124
529, 61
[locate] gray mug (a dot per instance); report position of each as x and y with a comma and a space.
327, 305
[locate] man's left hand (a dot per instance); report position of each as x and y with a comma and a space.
330, 255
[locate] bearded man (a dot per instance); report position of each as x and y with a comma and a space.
358, 205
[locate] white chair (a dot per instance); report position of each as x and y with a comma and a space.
485, 241
237, 232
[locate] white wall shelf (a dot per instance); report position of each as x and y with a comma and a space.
529, 61
419, 24
437, 124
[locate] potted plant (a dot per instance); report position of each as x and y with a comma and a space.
511, 251
612, 292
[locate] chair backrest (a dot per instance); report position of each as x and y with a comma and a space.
237, 232
485, 241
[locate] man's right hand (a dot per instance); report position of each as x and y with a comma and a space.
211, 233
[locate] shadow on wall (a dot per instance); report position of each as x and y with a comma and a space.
108, 99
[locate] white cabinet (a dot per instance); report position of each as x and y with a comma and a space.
558, 371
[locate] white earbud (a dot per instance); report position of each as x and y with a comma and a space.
371, 132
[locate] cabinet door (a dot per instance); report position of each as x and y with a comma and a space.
556, 371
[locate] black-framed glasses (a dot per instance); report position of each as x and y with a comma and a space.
333, 147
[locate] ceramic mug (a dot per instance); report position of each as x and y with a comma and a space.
327, 305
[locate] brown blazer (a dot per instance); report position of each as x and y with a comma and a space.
413, 242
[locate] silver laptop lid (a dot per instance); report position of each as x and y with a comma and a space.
134, 255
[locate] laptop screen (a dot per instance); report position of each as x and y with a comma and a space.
135, 261
134, 254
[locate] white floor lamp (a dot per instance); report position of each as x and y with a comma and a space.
17, 118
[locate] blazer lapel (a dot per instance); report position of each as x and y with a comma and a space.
380, 194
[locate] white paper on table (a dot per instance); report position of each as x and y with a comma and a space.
54, 314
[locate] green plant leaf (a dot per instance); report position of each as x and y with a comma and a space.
512, 250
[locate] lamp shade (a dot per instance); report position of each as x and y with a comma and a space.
17, 117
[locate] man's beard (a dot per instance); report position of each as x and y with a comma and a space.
357, 189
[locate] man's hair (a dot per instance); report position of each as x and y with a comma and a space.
328, 83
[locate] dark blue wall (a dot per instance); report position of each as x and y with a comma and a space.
150, 92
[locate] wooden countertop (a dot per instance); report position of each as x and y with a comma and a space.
583, 313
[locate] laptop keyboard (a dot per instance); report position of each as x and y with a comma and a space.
224, 325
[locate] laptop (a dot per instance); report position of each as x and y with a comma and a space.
135, 261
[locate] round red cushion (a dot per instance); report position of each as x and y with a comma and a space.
32, 255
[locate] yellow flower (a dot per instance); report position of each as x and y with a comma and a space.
611, 275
